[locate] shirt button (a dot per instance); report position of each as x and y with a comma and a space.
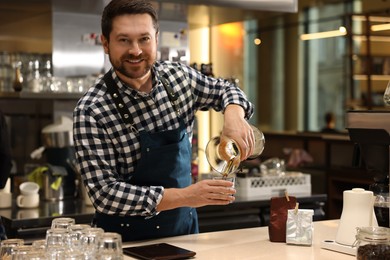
126, 115
115, 95
127, 225
122, 225
120, 105
157, 227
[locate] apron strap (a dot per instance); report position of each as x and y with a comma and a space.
120, 104
173, 98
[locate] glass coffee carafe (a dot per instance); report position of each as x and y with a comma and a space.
224, 154
381, 203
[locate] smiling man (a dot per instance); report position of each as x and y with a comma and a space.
132, 131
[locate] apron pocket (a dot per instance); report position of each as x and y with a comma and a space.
182, 221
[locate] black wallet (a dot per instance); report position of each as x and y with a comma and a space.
160, 251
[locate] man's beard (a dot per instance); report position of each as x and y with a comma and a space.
119, 66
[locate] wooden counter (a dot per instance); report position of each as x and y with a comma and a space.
253, 243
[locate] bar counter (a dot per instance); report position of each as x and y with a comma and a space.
253, 243
31, 224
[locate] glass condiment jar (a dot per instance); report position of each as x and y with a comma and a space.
373, 243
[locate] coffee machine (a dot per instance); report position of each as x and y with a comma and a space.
369, 131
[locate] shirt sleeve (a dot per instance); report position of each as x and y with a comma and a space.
96, 161
216, 93
5, 152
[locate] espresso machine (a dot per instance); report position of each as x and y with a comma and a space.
58, 177
369, 131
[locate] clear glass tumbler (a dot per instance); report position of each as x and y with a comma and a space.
62, 222
57, 242
75, 234
91, 241
111, 246
8, 246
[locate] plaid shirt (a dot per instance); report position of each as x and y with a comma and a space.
107, 150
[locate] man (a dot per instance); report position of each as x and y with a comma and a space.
5, 152
5, 162
330, 123
132, 132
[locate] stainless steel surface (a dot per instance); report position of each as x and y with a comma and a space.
49, 193
275, 5
72, 54
58, 139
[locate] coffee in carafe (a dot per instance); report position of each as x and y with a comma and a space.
382, 203
224, 154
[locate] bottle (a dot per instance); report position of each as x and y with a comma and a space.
18, 80
33, 77
47, 78
372, 243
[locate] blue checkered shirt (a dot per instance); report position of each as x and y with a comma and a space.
107, 151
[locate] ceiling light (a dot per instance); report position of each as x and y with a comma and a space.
257, 41
311, 36
380, 27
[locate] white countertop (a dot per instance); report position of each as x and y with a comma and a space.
253, 243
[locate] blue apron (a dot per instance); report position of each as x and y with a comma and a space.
165, 161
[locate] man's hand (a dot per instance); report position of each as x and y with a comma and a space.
237, 128
203, 193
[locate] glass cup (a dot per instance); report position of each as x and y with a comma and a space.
62, 222
90, 241
226, 178
111, 247
73, 255
75, 233
8, 246
57, 242
39, 244
224, 154
22, 252
37, 255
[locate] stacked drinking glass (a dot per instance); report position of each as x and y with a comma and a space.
66, 240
